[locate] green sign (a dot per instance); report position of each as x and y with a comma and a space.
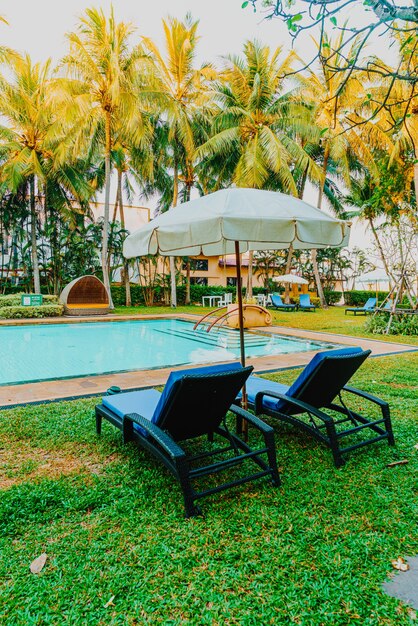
32, 299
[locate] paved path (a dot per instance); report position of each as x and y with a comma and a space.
95, 385
404, 585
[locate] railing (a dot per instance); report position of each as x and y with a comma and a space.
223, 318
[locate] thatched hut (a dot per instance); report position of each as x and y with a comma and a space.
85, 295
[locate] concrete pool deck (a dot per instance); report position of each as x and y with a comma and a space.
52, 390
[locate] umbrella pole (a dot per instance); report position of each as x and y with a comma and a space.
240, 308
244, 401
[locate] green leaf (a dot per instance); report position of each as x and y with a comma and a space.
297, 17
244, 4
333, 20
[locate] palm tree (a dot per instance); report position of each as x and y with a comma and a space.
27, 139
178, 90
99, 93
337, 99
384, 200
399, 116
129, 162
29, 147
258, 126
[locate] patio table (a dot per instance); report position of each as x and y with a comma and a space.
212, 300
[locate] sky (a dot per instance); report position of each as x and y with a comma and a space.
39, 26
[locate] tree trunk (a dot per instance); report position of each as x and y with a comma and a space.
187, 295
35, 264
249, 293
342, 284
379, 247
303, 183
288, 268
55, 250
105, 235
314, 252
3, 237
324, 173
187, 298
318, 279
172, 259
125, 271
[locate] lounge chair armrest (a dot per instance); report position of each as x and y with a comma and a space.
366, 396
251, 419
170, 446
293, 401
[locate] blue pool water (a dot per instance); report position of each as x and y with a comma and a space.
44, 352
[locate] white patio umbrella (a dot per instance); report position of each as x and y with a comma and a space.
375, 277
293, 279
237, 220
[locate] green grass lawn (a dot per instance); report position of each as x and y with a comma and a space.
331, 320
313, 552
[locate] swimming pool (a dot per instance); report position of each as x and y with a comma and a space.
52, 351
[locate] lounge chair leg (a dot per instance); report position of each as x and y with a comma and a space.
98, 423
333, 444
127, 430
238, 428
388, 424
271, 455
190, 509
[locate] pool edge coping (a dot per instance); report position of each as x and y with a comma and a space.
289, 332
5, 407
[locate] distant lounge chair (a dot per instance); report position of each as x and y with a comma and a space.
193, 403
307, 402
278, 303
305, 303
369, 307
388, 306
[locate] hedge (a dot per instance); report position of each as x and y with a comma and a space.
332, 297
22, 312
8, 289
359, 298
196, 293
15, 300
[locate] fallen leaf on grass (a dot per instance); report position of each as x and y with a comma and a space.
38, 564
109, 602
416, 446
412, 614
400, 564
403, 462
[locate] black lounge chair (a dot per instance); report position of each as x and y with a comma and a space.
278, 303
369, 307
194, 403
313, 395
305, 303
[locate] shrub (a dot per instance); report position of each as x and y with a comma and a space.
22, 312
359, 298
196, 293
315, 301
12, 289
332, 297
118, 295
15, 300
402, 324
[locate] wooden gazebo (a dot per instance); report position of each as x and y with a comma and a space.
85, 295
